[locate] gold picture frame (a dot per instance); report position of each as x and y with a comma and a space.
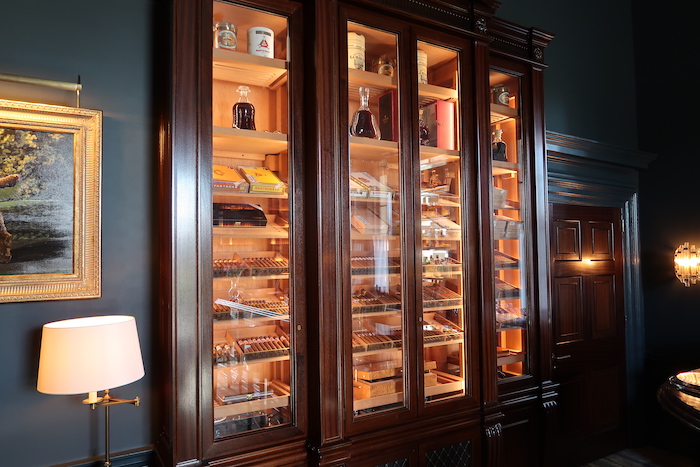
50, 167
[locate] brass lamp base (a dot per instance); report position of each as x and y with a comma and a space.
106, 401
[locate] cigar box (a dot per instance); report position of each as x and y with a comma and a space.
368, 389
499, 197
506, 227
367, 222
357, 190
439, 116
375, 189
229, 178
391, 216
378, 370
449, 225
239, 215
389, 115
258, 342
262, 180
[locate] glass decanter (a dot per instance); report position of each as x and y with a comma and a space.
498, 147
243, 111
363, 122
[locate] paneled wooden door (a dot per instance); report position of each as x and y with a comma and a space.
589, 331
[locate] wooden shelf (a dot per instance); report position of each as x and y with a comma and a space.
373, 149
428, 93
251, 406
231, 192
242, 141
249, 278
396, 398
431, 157
514, 357
257, 361
502, 112
244, 68
503, 168
377, 84
271, 231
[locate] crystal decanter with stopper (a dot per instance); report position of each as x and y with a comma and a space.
243, 111
363, 122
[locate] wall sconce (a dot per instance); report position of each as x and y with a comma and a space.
686, 261
87, 355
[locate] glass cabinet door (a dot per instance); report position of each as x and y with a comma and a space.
376, 219
405, 222
509, 234
443, 320
252, 247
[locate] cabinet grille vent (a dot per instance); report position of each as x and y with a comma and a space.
396, 463
455, 455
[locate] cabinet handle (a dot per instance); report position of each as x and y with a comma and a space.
563, 357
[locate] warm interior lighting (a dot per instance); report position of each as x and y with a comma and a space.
87, 355
686, 264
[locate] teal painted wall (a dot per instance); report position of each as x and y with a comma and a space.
109, 45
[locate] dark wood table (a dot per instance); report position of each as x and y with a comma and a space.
680, 396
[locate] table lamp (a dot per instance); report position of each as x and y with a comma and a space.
87, 355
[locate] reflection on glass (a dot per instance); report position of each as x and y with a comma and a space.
375, 232
443, 322
509, 235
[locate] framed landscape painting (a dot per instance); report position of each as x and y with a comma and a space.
50, 163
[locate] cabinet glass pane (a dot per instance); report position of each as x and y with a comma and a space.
509, 234
252, 381
375, 221
443, 323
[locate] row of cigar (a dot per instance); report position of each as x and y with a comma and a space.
223, 312
278, 307
263, 344
250, 266
371, 264
373, 341
251, 348
364, 297
228, 267
436, 295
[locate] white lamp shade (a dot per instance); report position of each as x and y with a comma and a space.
89, 354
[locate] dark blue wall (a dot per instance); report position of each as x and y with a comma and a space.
109, 45
668, 69
590, 82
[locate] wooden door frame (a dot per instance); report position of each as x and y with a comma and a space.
586, 172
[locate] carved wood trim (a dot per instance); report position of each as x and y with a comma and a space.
494, 444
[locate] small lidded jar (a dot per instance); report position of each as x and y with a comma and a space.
500, 94
225, 35
383, 65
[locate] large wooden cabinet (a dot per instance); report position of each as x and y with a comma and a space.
354, 279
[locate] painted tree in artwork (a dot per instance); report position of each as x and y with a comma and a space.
38, 157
